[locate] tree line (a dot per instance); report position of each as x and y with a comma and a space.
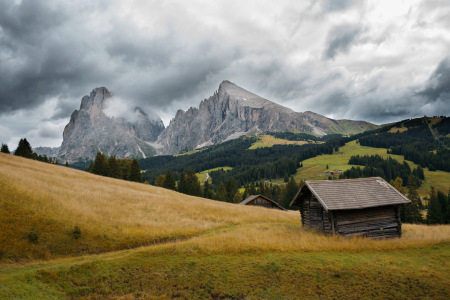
25, 150
227, 191
126, 169
388, 169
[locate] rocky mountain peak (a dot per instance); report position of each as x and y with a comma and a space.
90, 130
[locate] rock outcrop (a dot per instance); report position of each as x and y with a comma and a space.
47, 151
90, 130
232, 112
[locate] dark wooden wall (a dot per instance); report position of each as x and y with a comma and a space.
263, 202
376, 222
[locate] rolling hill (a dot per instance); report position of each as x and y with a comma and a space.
142, 242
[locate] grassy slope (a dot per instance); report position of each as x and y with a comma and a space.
313, 168
229, 251
202, 175
112, 214
347, 127
269, 140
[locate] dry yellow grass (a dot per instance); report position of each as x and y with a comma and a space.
112, 214
266, 237
398, 129
115, 214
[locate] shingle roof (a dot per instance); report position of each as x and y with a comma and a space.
253, 197
352, 193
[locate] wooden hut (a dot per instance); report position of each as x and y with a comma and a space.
352, 207
260, 200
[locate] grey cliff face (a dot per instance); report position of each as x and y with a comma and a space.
232, 112
90, 131
47, 151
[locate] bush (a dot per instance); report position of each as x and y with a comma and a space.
76, 232
33, 237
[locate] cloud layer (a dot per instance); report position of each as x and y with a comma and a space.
374, 60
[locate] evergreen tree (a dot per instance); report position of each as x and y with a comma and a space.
252, 189
286, 177
267, 192
442, 199
114, 169
237, 198
135, 171
193, 185
232, 187
434, 214
5, 149
160, 180
183, 184
67, 164
290, 191
105, 166
206, 191
410, 212
98, 164
23, 149
169, 182
146, 182
222, 193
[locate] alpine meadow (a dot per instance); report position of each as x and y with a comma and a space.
224, 150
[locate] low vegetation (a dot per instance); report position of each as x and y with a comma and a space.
269, 140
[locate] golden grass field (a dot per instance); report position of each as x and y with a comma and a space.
144, 242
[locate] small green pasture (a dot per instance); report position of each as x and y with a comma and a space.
202, 175
314, 168
190, 152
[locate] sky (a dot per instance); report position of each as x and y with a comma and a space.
378, 61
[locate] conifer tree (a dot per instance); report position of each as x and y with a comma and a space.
98, 164
252, 189
67, 164
290, 191
105, 166
267, 192
169, 182
232, 187
5, 149
206, 191
183, 184
160, 180
222, 193
410, 212
114, 169
442, 199
286, 177
237, 198
23, 149
434, 214
193, 186
135, 171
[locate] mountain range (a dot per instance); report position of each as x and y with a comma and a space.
228, 114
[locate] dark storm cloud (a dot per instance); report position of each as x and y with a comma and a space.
340, 39
41, 57
438, 84
169, 55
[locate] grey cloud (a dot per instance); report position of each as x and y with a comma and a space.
336, 5
340, 39
438, 84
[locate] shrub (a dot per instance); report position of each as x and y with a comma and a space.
33, 236
76, 232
